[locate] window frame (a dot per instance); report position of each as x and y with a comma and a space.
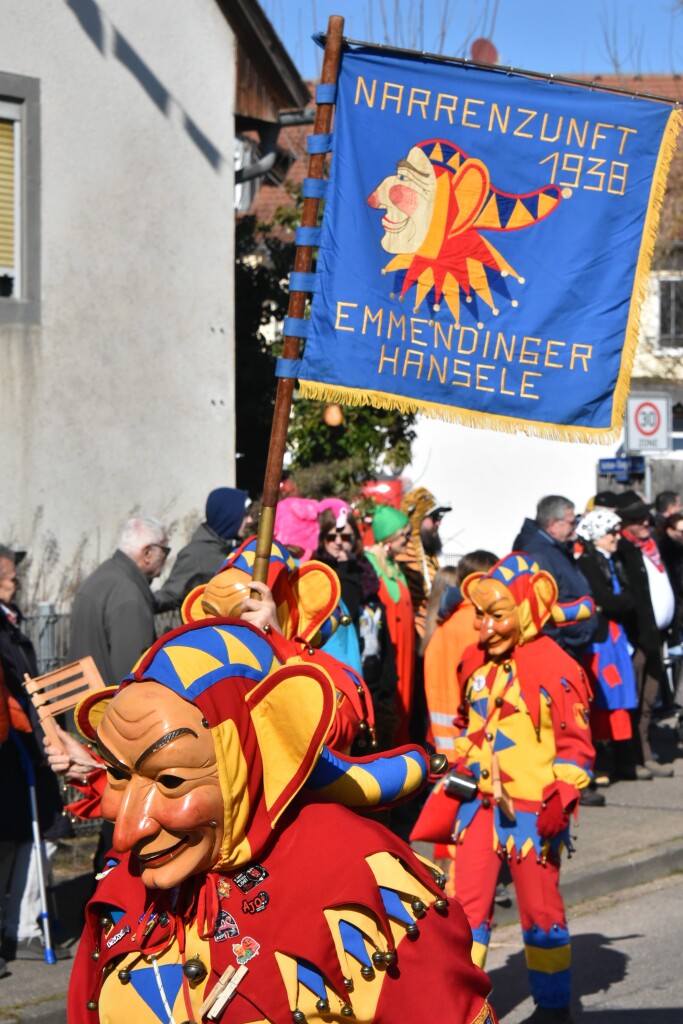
24, 93
663, 346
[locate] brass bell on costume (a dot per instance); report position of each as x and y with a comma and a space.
438, 763
194, 970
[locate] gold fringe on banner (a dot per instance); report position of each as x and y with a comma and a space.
454, 414
667, 150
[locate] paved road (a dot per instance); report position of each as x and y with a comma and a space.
626, 951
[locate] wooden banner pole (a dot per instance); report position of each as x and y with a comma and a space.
297, 305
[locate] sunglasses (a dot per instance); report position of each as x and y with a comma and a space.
347, 538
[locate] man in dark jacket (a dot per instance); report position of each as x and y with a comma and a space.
655, 608
228, 522
547, 540
113, 612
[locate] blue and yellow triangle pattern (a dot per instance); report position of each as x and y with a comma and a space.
196, 659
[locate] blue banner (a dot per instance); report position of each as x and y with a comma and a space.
485, 245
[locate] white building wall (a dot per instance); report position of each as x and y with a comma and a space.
121, 399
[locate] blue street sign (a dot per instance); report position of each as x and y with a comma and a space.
623, 467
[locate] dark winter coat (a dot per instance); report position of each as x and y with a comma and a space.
558, 560
197, 563
18, 657
620, 607
642, 629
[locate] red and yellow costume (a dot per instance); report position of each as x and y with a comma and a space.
525, 739
307, 599
330, 915
395, 596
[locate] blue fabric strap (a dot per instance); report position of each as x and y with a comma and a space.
307, 236
319, 143
295, 328
302, 282
326, 93
315, 188
287, 368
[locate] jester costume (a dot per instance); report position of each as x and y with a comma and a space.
303, 911
525, 739
309, 612
329, 914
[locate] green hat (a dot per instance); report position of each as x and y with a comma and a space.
386, 521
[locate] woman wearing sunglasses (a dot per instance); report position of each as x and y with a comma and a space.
340, 546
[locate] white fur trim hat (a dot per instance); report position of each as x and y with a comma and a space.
597, 523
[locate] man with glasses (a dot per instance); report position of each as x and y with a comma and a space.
548, 539
113, 612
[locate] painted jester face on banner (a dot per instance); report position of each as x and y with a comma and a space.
497, 618
164, 793
408, 198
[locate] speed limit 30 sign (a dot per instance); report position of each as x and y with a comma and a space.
648, 423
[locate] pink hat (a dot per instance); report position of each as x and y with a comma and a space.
296, 523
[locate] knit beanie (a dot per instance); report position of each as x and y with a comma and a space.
225, 508
386, 521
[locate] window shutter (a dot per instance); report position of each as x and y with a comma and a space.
7, 247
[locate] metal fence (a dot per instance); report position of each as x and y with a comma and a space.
49, 632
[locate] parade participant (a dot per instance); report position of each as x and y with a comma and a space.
525, 743
420, 560
391, 530
230, 894
301, 601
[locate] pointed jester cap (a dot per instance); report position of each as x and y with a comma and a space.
534, 592
306, 596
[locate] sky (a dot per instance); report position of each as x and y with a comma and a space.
574, 37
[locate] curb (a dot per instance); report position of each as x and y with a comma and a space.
615, 875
